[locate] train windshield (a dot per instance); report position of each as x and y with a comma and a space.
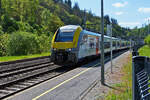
64, 36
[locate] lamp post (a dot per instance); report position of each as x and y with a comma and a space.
102, 45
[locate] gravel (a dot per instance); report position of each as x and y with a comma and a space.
99, 91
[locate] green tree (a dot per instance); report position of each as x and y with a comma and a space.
114, 21
4, 39
76, 6
69, 3
9, 25
147, 40
107, 19
21, 10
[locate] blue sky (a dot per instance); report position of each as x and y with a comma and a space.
129, 13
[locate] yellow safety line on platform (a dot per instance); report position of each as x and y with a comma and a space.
53, 87
60, 84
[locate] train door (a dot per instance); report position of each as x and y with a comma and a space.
83, 46
97, 45
116, 44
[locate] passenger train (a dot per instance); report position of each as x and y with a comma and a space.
71, 44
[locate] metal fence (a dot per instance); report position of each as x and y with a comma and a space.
140, 77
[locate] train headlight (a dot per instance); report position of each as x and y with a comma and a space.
69, 49
54, 49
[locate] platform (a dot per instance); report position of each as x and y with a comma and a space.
69, 86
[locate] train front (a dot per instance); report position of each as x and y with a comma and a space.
64, 44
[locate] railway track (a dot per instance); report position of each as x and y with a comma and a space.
19, 75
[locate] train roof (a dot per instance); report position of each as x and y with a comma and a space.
98, 34
74, 27
91, 33
69, 27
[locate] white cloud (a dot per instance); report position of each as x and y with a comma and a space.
118, 4
129, 24
144, 10
118, 13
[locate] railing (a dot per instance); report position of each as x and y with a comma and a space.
140, 77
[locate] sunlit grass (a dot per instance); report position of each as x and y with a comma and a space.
144, 51
13, 58
125, 86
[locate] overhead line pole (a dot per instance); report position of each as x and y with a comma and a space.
84, 19
111, 47
102, 44
148, 26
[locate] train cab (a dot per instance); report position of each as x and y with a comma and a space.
64, 44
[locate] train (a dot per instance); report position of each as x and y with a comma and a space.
71, 44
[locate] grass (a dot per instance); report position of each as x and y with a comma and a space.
125, 86
144, 51
13, 58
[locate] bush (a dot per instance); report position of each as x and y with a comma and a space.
1, 30
25, 27
44, 43
9, 25
23, 43
147, 40
4, 39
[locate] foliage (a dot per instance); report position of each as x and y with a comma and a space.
76, 6
44, 43
20, 9
147, 40
139, 33
144, 51
45, 16
41, 18
25, 27
1, 30
4, 38
68, 2
107, 19
126, 85
9, 25
23, 43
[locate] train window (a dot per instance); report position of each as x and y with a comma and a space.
117, 43
64, 36
85, 37
114, 43
106, 45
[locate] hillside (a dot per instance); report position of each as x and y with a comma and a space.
37, 20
